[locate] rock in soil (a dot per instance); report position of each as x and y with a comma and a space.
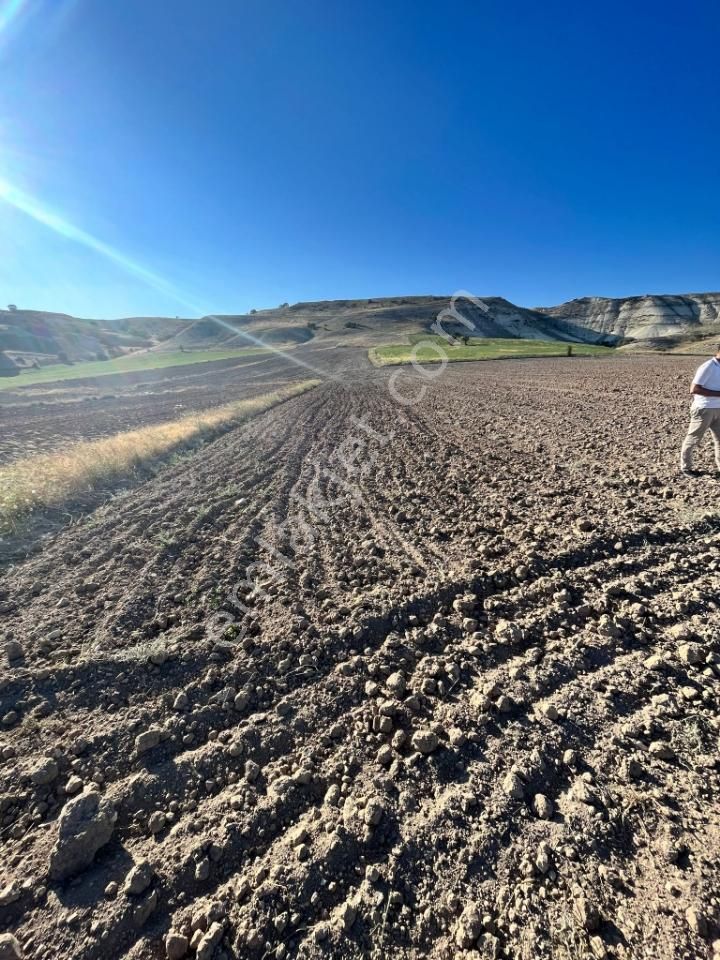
9, 947
86, 824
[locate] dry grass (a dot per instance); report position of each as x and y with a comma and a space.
51, 479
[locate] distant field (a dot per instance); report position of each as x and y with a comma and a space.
424, 348
126, 364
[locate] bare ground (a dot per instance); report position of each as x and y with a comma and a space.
45, 417
468, 706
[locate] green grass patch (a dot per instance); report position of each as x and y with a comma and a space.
131, 363
430, 348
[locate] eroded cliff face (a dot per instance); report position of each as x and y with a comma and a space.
642, 318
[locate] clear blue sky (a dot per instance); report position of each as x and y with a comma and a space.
192, 156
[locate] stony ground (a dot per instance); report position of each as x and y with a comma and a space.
365, 679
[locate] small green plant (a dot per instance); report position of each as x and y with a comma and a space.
165, 540
429, 348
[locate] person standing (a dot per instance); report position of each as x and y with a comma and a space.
704, 413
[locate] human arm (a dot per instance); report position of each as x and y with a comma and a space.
703, 391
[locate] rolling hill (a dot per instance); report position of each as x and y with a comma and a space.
35, 334
663, 321
366, 323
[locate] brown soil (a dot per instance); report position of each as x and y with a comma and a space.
37, 419
471, 708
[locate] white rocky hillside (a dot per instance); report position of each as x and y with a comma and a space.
649, 317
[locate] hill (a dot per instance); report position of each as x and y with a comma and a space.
649, 319
366, 323
31, 337
37, 336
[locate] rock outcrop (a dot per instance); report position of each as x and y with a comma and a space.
642, 318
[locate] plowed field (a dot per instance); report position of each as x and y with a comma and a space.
371, 679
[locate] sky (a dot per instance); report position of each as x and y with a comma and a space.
179, 157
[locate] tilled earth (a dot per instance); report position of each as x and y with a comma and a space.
365, 679
41, 418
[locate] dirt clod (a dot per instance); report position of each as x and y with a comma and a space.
139, 878
176, 946
86, 824
9, 947
424, 741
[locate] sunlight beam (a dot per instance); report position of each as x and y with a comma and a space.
41, 213
9, 10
